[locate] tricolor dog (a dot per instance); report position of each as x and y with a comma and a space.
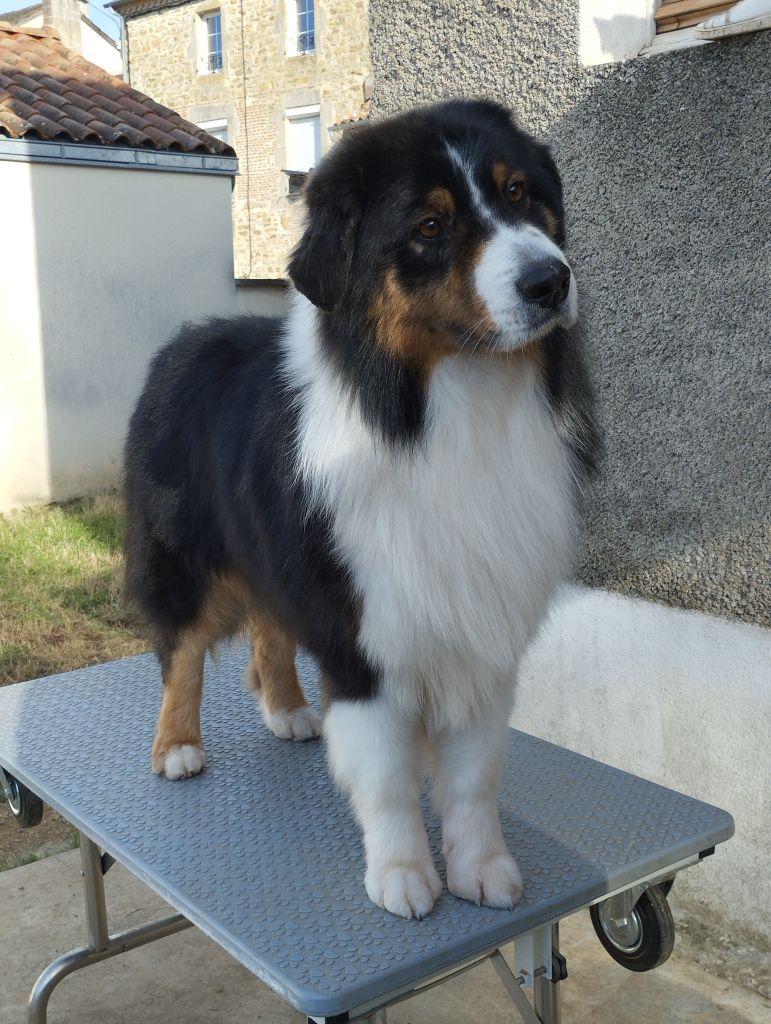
389, 477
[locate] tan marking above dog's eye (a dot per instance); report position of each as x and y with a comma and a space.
515, 191
430, 228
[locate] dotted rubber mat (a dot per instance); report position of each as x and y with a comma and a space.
262, 853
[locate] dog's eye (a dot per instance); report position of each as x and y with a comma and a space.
515, 192
430, 228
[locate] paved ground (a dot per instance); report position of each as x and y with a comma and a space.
187, 978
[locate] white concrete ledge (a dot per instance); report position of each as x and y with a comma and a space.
746, 16
678, 697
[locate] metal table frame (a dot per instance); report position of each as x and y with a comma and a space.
587, 835
539, 964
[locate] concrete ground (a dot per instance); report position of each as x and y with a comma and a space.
188, 978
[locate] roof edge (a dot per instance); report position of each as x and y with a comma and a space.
124, 158
133, 8
99, 31
19, 14
261, 282
44, 32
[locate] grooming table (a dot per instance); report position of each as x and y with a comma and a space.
262, 853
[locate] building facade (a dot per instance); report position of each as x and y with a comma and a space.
270, 76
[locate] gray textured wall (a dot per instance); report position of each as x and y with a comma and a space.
667, 178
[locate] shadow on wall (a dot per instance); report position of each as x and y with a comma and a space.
618, 38
664, 162
602, 40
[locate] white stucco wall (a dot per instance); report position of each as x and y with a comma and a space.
99, 51
23, 437
99, 266
614, 30
678, 697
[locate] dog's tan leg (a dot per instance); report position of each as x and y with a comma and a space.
273, 677
178, 747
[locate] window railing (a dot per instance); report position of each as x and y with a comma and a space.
213, 41
306, 41
297, 181
306, 24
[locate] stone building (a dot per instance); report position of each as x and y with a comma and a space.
269, 76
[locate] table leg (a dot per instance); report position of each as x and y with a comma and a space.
546, 992
101, 945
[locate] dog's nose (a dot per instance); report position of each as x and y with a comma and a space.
546, 284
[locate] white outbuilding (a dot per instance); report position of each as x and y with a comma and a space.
115, 227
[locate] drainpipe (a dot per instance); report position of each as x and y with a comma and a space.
124, 50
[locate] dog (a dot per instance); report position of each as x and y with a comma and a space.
390, 477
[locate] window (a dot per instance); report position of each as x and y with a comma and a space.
303, 144
615, 30
306, 36
675, 14
212, 42
219, 129
713, 19
745, 16
301, 24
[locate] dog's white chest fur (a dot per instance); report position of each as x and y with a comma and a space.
455, 546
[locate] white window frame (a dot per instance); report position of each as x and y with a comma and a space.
292, 33
215, 126
615, 30
298, 114
295, 114
202, 32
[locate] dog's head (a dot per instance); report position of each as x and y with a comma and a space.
442, 228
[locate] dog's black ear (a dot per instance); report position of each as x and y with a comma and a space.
551, 186
320, 266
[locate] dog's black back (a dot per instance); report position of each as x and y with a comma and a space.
211, 490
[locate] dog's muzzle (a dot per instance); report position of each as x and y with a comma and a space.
545, 284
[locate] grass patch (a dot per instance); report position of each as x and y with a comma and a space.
61, 589
17, 860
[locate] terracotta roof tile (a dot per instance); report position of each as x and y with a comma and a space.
361, 115
49, 92
21, 15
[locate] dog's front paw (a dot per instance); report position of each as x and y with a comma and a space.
408, 890
299, 724
493, 880
179, 762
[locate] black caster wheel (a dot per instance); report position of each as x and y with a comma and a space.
647, 938
26, 806
666, 885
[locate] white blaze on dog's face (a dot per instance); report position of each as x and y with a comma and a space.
521, 277
441, 231
526, 284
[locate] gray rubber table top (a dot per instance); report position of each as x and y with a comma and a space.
262, 853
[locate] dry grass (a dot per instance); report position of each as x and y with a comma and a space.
60, 589
60, 608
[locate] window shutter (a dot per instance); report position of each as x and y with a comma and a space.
303, 142
674, 14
